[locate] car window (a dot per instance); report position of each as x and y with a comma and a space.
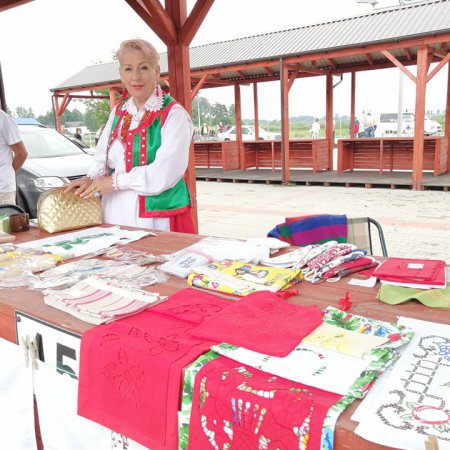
408, 117
47, 143
388, 118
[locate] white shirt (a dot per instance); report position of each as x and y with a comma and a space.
9, 135
121, 207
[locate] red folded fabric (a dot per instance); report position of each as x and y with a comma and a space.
192, 305
262, 322
363, 263
239, 407
131, 374
416, 271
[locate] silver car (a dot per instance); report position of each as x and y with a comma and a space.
53, 160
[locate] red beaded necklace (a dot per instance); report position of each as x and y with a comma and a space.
127, 122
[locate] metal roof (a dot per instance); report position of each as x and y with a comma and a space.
421, 19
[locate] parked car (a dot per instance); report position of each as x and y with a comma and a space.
248, 134
388, 123
81, 144
53, 160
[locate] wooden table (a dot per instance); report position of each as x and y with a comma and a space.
324, 294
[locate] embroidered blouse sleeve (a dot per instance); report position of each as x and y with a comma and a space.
171, 158
97, 168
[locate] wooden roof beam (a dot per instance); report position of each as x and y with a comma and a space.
90, 96
397, 63
241, 74
332, 63
7, 4
369, 58
434, 51
215, 78
438, 67
408, 54
155, 16
336, 53
291, 78
65, 102
88, 88
194, 20
198, 86
311, 70
268, 70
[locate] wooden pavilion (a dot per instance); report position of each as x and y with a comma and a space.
396, 36
403, 36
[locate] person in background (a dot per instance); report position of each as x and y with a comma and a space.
12, 156
78, 134
204, 132
141, 157
315, 129
369, 125
356, 127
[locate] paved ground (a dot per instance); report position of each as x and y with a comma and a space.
415, 223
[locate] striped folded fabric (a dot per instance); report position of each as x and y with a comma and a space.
98, 301
313, 229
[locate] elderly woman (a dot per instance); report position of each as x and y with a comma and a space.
142, 154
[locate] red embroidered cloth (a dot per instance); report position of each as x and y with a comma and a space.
192, 305
238, 407
131, 374
262, 322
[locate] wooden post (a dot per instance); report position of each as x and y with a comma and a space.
352, 105
447, 109
329, 119
238, 124
55, 112
419, 119
180, 88
285, 159
256, 112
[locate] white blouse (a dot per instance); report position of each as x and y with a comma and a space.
121, 207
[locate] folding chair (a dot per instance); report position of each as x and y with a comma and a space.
320, 228
361, 231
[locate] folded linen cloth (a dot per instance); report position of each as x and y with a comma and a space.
131, 373
262, 322
433, 298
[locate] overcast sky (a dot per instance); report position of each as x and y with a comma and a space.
44, 42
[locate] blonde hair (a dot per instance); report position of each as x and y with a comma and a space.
139, 44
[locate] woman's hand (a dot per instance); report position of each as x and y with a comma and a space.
78, 186
96, 188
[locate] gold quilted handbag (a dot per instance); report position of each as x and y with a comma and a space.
58, 211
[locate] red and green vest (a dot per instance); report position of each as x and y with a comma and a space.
141, 145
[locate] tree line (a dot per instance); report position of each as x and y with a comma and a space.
203, 112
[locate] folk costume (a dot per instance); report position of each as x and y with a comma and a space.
146, 151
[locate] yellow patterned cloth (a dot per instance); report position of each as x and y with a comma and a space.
239, 278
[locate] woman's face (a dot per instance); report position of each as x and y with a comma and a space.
138, 75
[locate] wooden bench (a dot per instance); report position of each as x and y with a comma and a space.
217, 154
391, 154
303, 154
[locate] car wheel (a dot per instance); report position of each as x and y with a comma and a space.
226, 139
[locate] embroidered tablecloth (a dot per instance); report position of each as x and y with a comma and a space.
244, 408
